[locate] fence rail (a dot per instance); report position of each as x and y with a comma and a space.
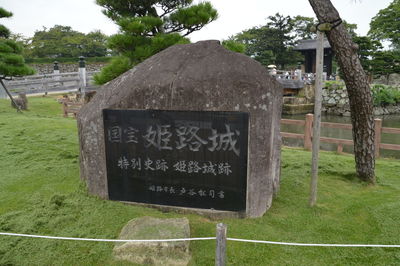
391, 130
297, 75
307, 134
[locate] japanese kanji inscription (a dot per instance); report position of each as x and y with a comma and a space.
179, 158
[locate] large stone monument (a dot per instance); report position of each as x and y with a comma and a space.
192, 115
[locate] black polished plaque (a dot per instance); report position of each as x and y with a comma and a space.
192, 159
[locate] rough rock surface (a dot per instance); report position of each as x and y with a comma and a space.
154, 253
199, 77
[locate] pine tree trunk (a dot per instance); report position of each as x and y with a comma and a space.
358, 89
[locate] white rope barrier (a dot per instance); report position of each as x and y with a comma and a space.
203, 238
311, 244
109, 240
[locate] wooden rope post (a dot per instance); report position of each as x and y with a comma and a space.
65, 108
340, 148
308, 132
317, 117
378, 136
220, 253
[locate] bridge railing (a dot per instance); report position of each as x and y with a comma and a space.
49, 82
297, 75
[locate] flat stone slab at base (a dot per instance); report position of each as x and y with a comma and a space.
154, 253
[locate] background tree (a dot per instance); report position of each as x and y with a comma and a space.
258, 44
63, 41
149, 26
358, 89
11, 61
302, 27
24, 42
374, 60
386, 24
367, 47
272, 43
234, 46
367, 50
58, 41
385, 63
94, 44
351, 28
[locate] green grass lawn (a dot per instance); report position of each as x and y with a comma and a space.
41, 193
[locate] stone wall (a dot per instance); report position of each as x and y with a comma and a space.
387, 110
42, 69
335, 101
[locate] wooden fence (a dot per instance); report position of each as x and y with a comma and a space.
71, 107
307, 134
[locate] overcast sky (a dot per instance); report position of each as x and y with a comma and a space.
234, 15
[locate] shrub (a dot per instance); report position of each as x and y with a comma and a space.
116, 67
334, 85
385, 95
